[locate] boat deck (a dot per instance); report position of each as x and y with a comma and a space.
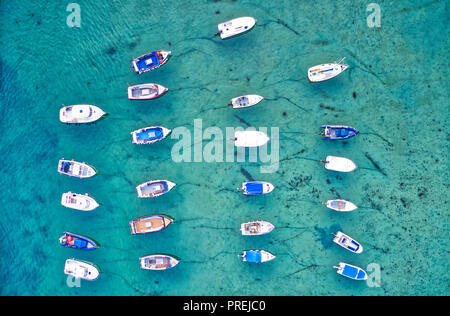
149, 225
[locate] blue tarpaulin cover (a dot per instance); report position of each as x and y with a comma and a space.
254, 188
150, 134
253, 256
350, 272
80, 243
144, 64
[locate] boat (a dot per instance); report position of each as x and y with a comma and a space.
149, 135
236, 27
146, 91
341, 205
150, 61
347, 242
81, 202
250, 138
150, 224
158, 262
154, 188
80, 114
75, 169
339, 164
256, 256
246, 101
71, 240
326, 71
350, 271
338, 132
256, 228
256, 188
81, 269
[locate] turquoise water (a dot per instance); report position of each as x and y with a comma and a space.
395, 92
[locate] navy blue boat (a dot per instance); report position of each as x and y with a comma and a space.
338, 132
150, 61
70, 240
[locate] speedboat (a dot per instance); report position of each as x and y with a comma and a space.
146, 91
158, 262
256, 256
81, 269
341, 205
256, 228
338, 132
236, 27
150, 224
246, 101
347, 242
154, 188
150, 135
79, 201
150, 61
75, 169
256, 188
70, 240
339, 164
326, 71
250, 138
350, 271
80, 113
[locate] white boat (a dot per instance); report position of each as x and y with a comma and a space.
347, 242
250, 138
236, 27
75, 169
149, 135
154, 188
256, 188
256, 256
341, 205
339, 164
79, 201
158, 262
256, 228
351, 271
146, 91
246, 101
80, 113
326, 71
81, 269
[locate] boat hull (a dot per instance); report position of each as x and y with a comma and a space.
79, 202
351, 272
150, 61
150, 224
154, 188
246, 101
325, 71
74, 241
76, 169
149, 135
158, 262
257, 256
146, 91
80, 114
235, 27
257, 188
250, 139
348, 243
81, 269
256, 228
341, 205
338, 132
339, 164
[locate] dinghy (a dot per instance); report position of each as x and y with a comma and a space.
80, 114
250, 139
75, 169
339, 164
70, 240
149, 135
150, 61
81, 269
158, 262
146, 91
256, 188
79, 201
326, 71
350, 271
347, 242
256, 228
338, 132
256, 256
236, 27
341, 205
154, 188
246, 101
150, 224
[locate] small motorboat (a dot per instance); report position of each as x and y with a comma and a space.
256, 256
150, 135
340, 205
350, 271
246, 101
75, 169
158, 262
256, 188
81, 269
154, 188
150, 224
339, 164
250, 139
338, 132
70, 240
236, 27
326, 71
146, 91
256, 228
81, 202
150, 61
347, 242
80, 114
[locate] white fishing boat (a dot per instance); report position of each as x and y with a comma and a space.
75, 169
347, 242
256, 228
146, 91
326, 71
81, 269
246, 101
256, 256
158, 262
250, 138
339, 164
149, 135
341, 205
79, 201
80, 113
351, 271
236, 27
154, 188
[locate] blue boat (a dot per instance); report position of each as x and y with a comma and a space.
350, 271
70, 240
256, 188
150, 61
338, 132
256, 256
150, 135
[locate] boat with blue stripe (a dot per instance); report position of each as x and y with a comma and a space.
326, 71
150, 135
351, 271
338, 132
256, 188
347, 242
74, 241
256, 256
150, 61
